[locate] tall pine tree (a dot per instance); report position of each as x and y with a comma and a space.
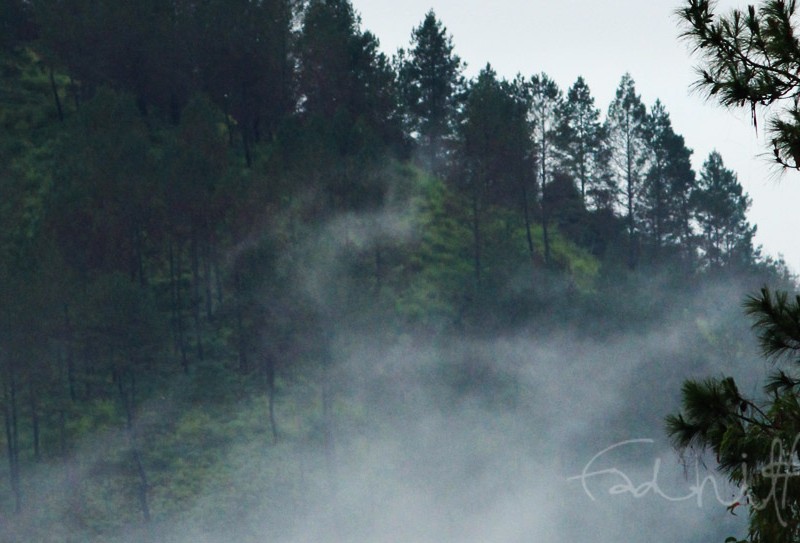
580, 137
545, 102
721, 205
431, 82
664, 204
625, 123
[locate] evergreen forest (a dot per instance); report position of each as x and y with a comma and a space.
250, 260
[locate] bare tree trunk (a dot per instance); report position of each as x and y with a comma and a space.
140, 256
207, 277
56, 97
545, 236
75, 94
176, 272
630, 195
68, 340
37, 456
246, 127
269, 375
476, 238
128, 398
248, 157
217, 272
327, 414
527, 215
544, 205
12, 436
62, 431
378, 270
241, 339
196, 291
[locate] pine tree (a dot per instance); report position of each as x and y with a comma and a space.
432, 83
754, 440
545, 102
348, 104
496, 156
720, 206
625, 124
665, 207
242, 51
752, 59
580, 137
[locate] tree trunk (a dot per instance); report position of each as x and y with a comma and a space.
545, 218
228, 124
207, 280
476, 237
62, 432
140, 257
630, 196
12, 436
75, 94
241, 343
176, 273
527, 215
269, 375
545, 236
56, 97
327, 415
69, 353
246, 127
37, 456
378, 270
128, 398
217, 272
196, 290
248, 156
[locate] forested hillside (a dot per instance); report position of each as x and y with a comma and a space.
209, 210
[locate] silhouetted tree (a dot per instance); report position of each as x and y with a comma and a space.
664, 204
349, 105
431, 83
242, 51
720, 204
625, 122
751, 59
754, 439
545, 103
580, 138
495, 151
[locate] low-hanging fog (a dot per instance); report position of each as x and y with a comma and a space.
458, 436
263, 281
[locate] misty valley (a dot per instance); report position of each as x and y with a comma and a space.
262, 281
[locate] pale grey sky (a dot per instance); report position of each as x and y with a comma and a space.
601, 41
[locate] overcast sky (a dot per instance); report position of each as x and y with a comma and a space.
601, 41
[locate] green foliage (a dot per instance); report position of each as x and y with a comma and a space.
668, 185
751, 59
431, 83
777, 320
347, 85
439, 264
754, 440
580, 141
720, 204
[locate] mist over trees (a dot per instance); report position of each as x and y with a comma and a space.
202, 202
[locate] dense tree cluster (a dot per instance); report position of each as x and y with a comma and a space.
193, 196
